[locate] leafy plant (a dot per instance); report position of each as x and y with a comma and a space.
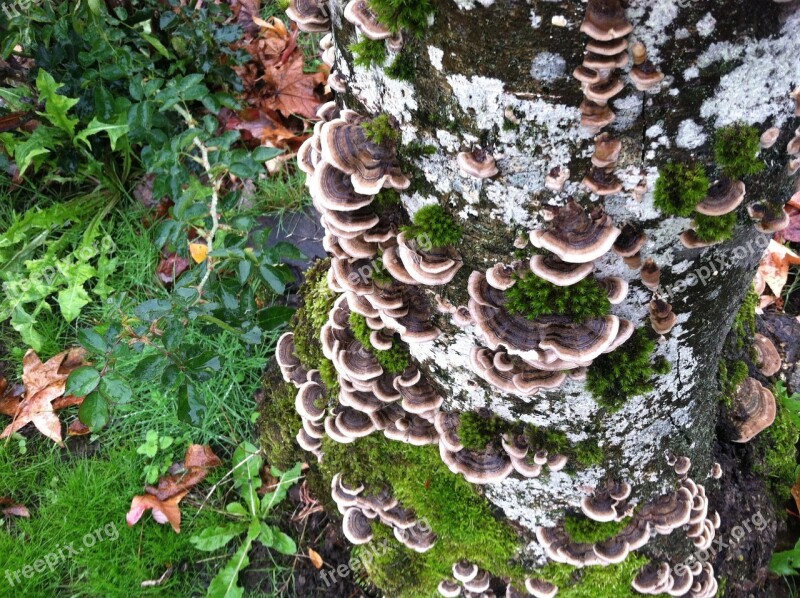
786, 562
160, 450
251, 518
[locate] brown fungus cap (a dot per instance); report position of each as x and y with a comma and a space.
480, 583
577, 236
449, 588
607, 48
606, 150
540, 588
418, 537
615, 287
661, 317
477, 163
464, 571
356, 527
558, 272
333, 190
646, 76
774, 219
360, 14
753, 409
595, 116
650, 273
556, 178
629, 242
769, 137
767, 358
724, 196
605, 20
605, 89
602, 181
690, 240
580, 343
477, 467
653, 578
310, 15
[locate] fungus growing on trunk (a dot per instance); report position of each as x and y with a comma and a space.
753, 409
477, 163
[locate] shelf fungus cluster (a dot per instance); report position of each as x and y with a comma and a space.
470, 580
497, 460
522, 355
752, 409
607, 27
685, 509
360, 510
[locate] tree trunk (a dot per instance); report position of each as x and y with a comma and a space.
497, 76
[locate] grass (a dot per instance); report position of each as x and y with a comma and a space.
71, 496
285, 192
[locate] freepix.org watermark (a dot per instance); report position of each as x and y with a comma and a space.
62, 553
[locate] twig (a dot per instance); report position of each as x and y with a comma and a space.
216, 185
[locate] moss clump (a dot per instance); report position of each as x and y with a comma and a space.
626, 372
714, 228
583, 529
780, 451
460, 516
744, 324
279, 421
736, 150
730, 375
310, 317
386, 199
476, 430
403, 67
415, 149
435, 227
393, 360
409, 15
380, 130
585, 453
534, 297
591, 582
368, 52
680, 188
379, 273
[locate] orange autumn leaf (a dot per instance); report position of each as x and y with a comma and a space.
199, 252
796, 493
78, 428
290, 90
316, 559
774, 266
201, 455
44, 384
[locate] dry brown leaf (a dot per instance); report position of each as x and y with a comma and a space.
796, 493
201, 455
44, 383
289, 90
10, 508
260, 126
316, 559
171, 267
78, 428
163, 510
774, 266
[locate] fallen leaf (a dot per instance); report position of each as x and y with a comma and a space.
290, 90
9, 508
163, 510
43, 384
201, 455
774, 266
78, 428
316, 559
199, 252
171, 267
263, 127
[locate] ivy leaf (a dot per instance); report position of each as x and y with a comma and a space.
56, 106
71, 300
191, 406
114, 131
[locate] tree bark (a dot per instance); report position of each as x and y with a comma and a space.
497, 75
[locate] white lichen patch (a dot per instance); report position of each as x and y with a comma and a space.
412, 203
540, 501
548, 67
536, 20
691, 73
706, 25
690, 135
651, 24
470, 4
382, 94
758, 89
627, 110
435, 55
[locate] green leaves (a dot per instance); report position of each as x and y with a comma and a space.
214, 538
93, 412
56, 106
786, 562
247, 462
82, 381
114, 132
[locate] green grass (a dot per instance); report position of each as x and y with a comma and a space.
282, 193
71, 496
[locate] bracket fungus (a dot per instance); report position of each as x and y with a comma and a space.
477, 163
767, 358
753, 409
724, 196
577, 236
361, 15
310, 15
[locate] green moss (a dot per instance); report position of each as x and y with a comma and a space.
433, 226
592, 582
582, 529
393, 360
714, 228
368, 52
380, 274
279, 421
403, 67
626, 372
310, 317
415, 149
381, 130
730, 375
408, 15
680, 188
744, 324
533, 297
386, 199
460, 517
779, 443
585, 453
476, 430
736, 150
